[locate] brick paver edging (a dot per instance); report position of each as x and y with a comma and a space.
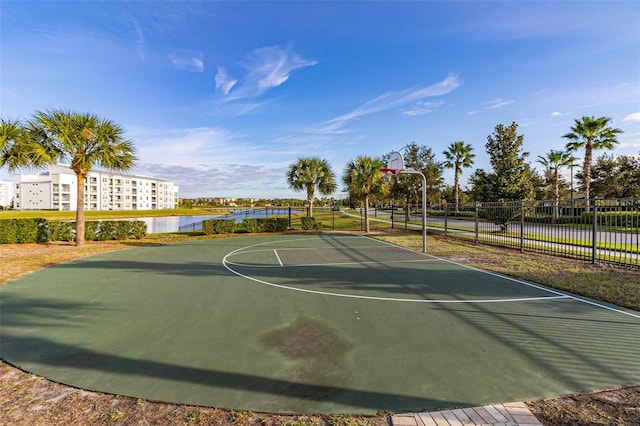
508, 414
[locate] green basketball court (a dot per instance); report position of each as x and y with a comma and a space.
309, 323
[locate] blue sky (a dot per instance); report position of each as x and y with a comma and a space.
221, 97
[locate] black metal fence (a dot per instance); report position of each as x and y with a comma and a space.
596, 231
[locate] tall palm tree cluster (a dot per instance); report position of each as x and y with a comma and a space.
84, 140
591, 133
363, 177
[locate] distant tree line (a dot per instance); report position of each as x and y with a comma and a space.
510, 178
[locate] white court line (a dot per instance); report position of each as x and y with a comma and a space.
277, 257
567, 295
302, 265
226, 264
333, 248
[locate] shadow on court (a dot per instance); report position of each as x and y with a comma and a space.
20, 349
182, 269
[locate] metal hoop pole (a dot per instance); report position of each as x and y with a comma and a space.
424, 205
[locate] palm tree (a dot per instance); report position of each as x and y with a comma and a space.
553, 161
458, 155
83, 139
11, 136
591, 133
310, 173
364, 179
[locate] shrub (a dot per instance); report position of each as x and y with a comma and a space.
253, 225
61, 231
90, 230
23, 231
309, 223
114, 230
207, 226
107, 230
40, 230
276, 224
618, 219
218, 226
27, 230
137, 229
502, 214
270, 224
8, 231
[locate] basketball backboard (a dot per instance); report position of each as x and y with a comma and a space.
396, 161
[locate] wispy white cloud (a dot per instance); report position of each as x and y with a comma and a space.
632, 117
271, 66
265, 68
386, 102
139, 39
498, 103
189, 60
422, 107
557, 114
224, 82
526, 122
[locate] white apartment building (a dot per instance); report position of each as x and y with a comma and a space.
57, 190
6, 194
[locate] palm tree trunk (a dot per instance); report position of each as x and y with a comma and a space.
455, 187
310, 197
366, 214
80, 210
586, 172
556, 195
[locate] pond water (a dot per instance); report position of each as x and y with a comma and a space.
157, 225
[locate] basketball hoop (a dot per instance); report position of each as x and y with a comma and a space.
395, 162
390, 171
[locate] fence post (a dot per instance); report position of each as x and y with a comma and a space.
594, 236
476, 222
392, 208
522, 226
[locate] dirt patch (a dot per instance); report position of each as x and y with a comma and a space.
307, 339
619, 406
26, 399
319, 352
